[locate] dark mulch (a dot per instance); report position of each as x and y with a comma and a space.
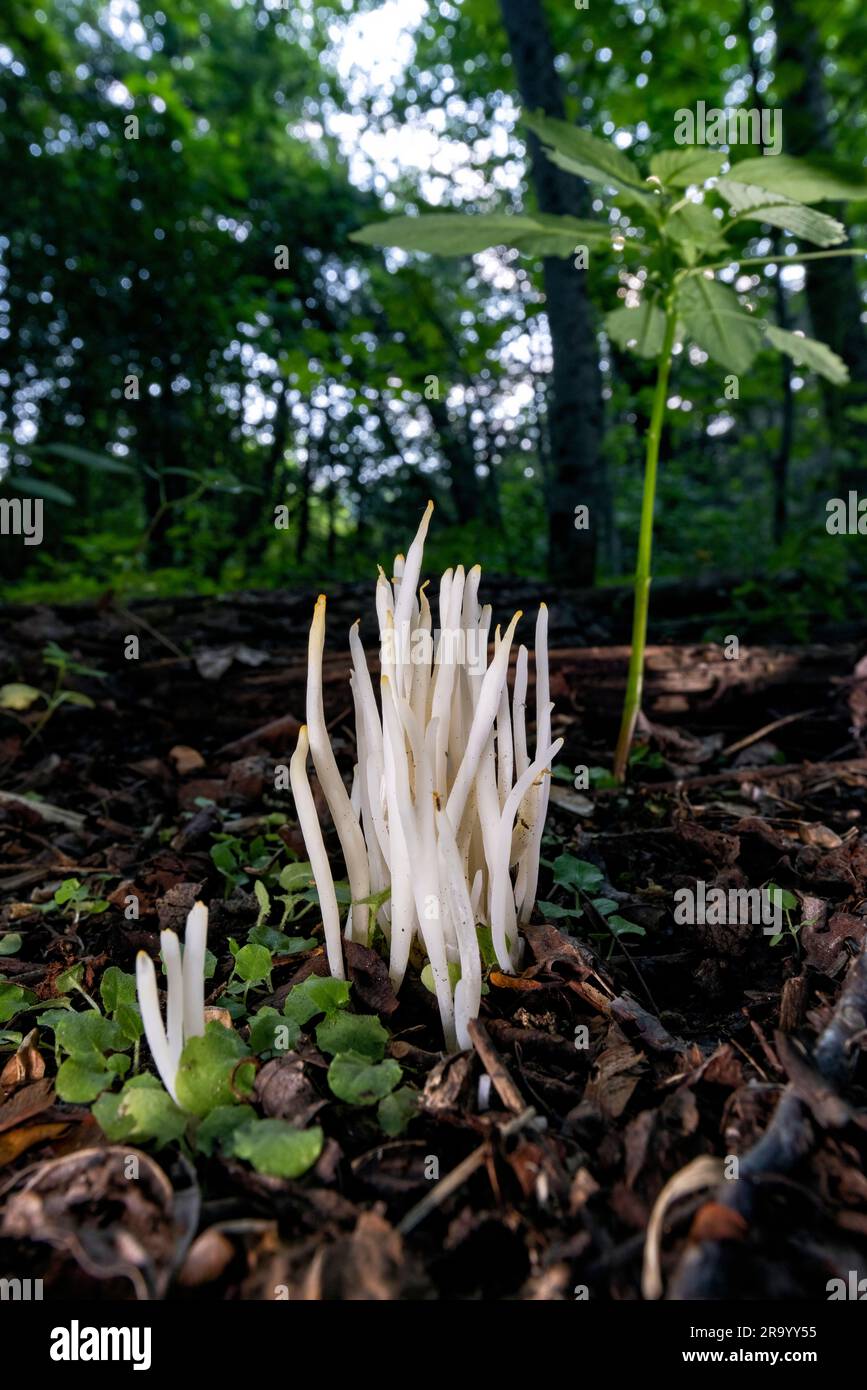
635, 1058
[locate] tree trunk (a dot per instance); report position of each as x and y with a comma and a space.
832, 286
574, 398
782, 459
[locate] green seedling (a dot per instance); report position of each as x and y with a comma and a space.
788, 902
685, 225
18, 696
73, 899
580, 878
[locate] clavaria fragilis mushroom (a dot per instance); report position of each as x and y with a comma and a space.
447, 808
185, 995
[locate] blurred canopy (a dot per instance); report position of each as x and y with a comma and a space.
189, 339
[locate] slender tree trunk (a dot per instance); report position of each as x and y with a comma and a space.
461, 460
782, 459
575, 396
305, 483
832, 286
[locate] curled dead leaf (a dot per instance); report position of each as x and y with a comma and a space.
25, 1065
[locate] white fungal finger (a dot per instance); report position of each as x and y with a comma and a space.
308, 821
149, 1005
345, 820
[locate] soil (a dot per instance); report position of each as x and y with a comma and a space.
704, 1053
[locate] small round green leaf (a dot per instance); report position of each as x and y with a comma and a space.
206, 1067
358, 1081
82, 1081
277, 1148
344, 1032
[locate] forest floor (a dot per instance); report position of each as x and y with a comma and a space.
614, 1060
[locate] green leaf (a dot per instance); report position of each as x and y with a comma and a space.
38, 487
99, 462
787, 900
50, 1017
74, 697
357, 1081
143, 1111
576, 151
278, 943
128, 1019
427, 976
315, 995
82, 1081
459, 234
394, 1112
743, 197
253, 963
680, 168
263, 900
69, 889
206, 1067
801, 221
116, 988
604, 905
809, 352
344, 1032
694, 225
619, 926
87, 1036
714, 320
553, 911
813, 180
447, 233
220, 1125
574, 873
640, 330
277, 1148
295, 877
263, 1030
10, 944
18, 696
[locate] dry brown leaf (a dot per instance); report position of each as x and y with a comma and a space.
18, 1141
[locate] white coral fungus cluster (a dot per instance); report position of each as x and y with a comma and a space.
447, 808
185, 995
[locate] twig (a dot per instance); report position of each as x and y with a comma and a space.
459, 1175
745, 774
139, 621
495, 1067
766, 729
55, 814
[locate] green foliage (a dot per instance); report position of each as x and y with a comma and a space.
142, 1112
277, 1148
353, 1078
219, 1126
211, 1071
362, 1034
396, 1110
580, 879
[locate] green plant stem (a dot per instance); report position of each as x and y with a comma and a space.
778, 260
635, 678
